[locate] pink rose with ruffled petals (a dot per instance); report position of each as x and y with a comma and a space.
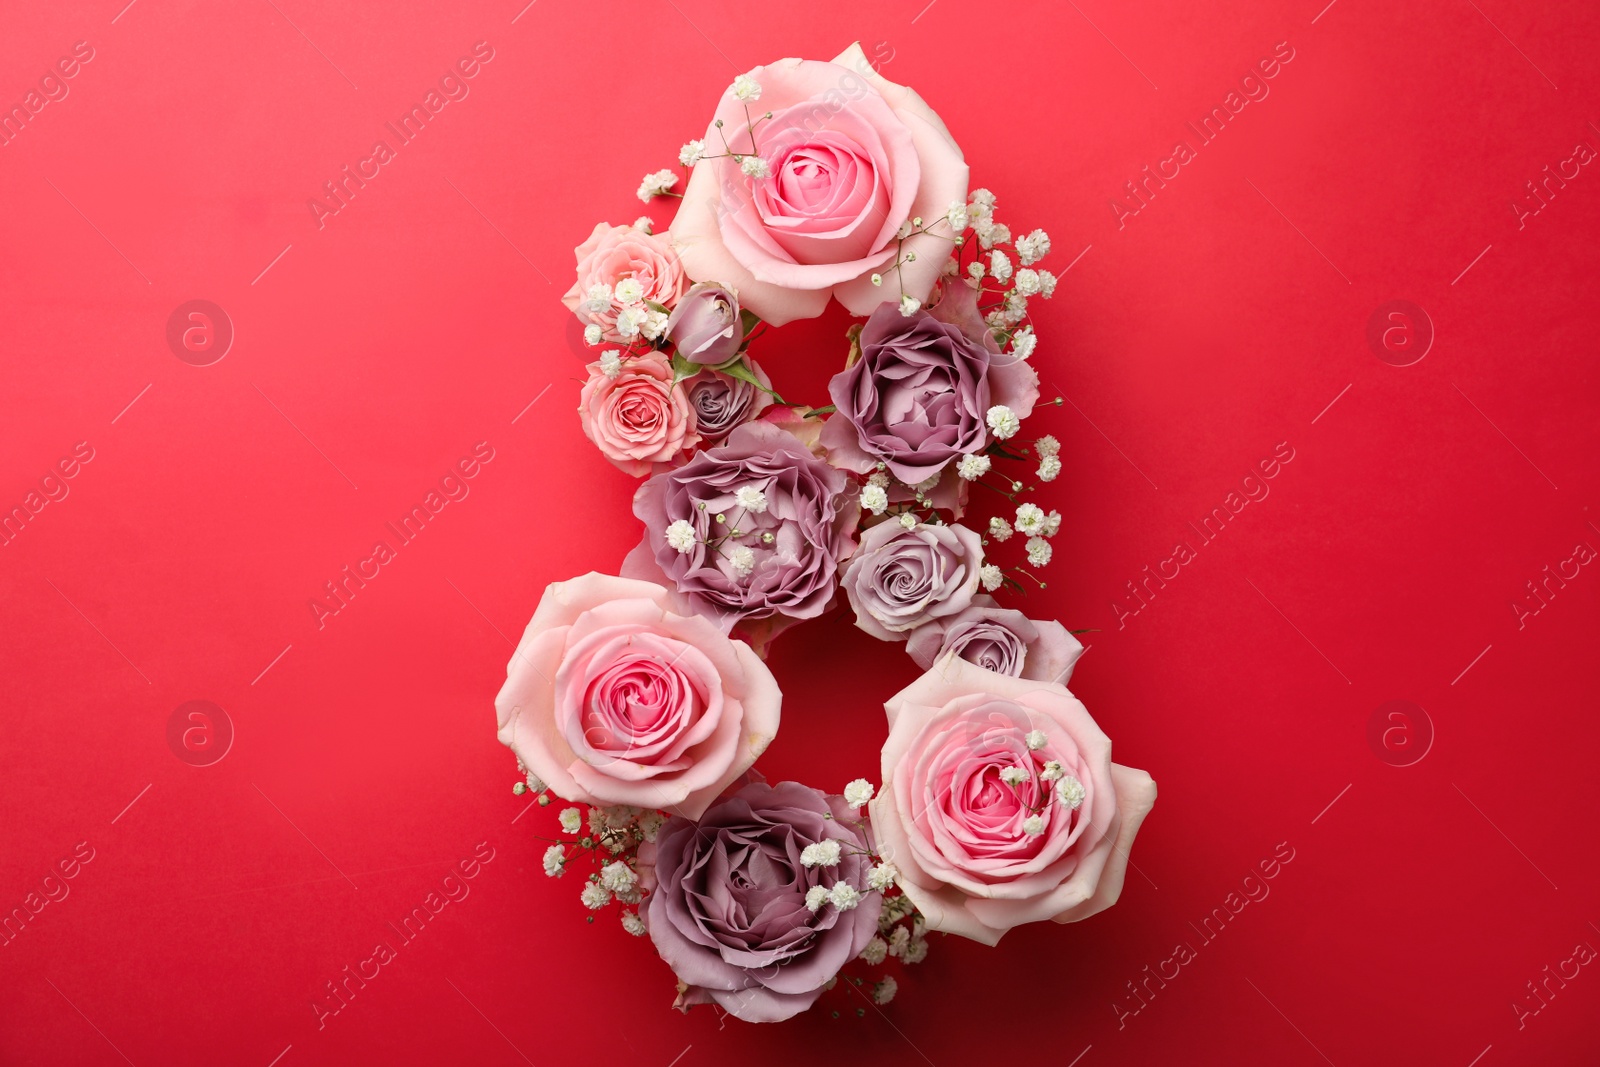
638, 418
1000, 804
613, 253
850, 157
612, 698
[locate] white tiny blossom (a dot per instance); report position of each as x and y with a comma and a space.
681, 536
611, 363
858, 792
1039, 551
1000, 529
650, 824
898, 940
645, 223
1033, 825
1001, 419
751, 499
1049, 467
977, 270
1071, 792
820, 854
535, 783
909, 305
1047, 446
1033, 247
632, 923
956, 216
1028, 281
816, 897
654, 324
879, 478
915, 952
746, 89
1047, 284
1052, 771
742, 559
690, 153
882, 876
597, 298
844, 896
884, 991
596, 820
1023, 342
875, 951
630, 320
571, 820
657, 183
874, 499
1036, 740
595, 896
1030, 519
991, 576
1013, 775
909, 521
593, 334
632, 895
629, 291
974, 466
983, 198
998, 234
755, 167
555, 861
927, 484
617, 876
999, 265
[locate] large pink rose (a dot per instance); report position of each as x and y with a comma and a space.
613, 253
638, 418
851, 157
611, 698
989, 831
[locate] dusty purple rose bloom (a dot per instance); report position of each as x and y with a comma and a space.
704, 326
999, 639
722, 402
901, 579
727, 910
917, 397
783, 565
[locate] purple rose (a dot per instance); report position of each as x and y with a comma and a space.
917, 396
787, 523
727, 908
998, 639
722, 402
901, 579
704, 326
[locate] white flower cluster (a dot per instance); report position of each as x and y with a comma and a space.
656, 184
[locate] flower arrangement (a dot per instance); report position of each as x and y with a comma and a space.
644, 699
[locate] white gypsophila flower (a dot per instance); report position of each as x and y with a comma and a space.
858, 792
1033, 247
597, 298
816, 897
1052, 524
875, 951
629, 321
535, 783
977, 270
656, 183
631, 895
617, 876
1039, 551
632, 923
951, 268
681, 536
571, 820
898, 940
844, 896
555, 861
691, 153
999, 233
596, 820
1047, 284
754, 167
1028, 281
742, 559
974, 466
746, 89
956, 216
991, 577
894, 909
1000, 265
1052, 771
650, 824
909, 521
909, 305
884, 991
1030, 518
1001, 419
654, 324
882, 875
644, 223
983, 198
927, 484
1000, 529
1036, 740
1013, 775
874, 498
915, 952
611, 363
878, 477
629, 291
1071, 792
593, 334
595, 896
1049, 467
1047, 446
1033, 825
820, 854
751, 499
982, 226
1023, 342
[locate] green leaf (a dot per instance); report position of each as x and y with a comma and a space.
749, 320
683, 368
738, 368
827, 410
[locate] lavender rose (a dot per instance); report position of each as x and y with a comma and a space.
728, 908
999, 639
722, 402
902, 578
787, 523
705, 326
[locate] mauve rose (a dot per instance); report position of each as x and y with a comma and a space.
999, 639
784, 565
901, 579
723, 403
612, 253
727, 905
916, 394
959, 831
705, 326
852, 157
638, 418
612, 698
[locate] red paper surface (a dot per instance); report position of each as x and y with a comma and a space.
1223, 323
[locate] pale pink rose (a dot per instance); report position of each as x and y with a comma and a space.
637, 419
852, 157
613, 253
958, 831
611, 698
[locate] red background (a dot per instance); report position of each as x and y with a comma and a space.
1221, 319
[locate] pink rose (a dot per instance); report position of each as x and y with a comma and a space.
638, 418
611, 698
613, 253
989, 831
851, 157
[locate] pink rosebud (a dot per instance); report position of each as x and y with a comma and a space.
705, 326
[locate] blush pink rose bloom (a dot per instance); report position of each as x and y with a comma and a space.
852, 157
637, 419
959, 831
613, 253
611, 698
